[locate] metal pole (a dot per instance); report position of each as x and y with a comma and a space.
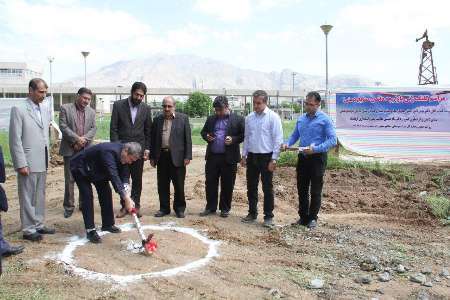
50, 60
85, 71
85, 54
293, 90
326, 70
326, 29
52, 102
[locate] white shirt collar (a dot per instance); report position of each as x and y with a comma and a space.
264, 112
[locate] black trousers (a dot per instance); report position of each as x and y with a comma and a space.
167, 172
217, 168
256, 166
104, 196
310, 172
135, 170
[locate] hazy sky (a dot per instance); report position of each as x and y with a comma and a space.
374, 39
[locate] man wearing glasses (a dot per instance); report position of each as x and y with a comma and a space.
171, 146
317, 135
131, 121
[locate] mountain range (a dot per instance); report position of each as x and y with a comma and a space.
190, 71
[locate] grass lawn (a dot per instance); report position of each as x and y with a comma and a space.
103, 133
196, 125
4, 142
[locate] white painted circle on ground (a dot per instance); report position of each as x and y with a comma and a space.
66, 256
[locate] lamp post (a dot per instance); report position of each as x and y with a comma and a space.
326, 29
293, 90
85, 54
50, 60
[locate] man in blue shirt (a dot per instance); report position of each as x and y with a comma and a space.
260, 152
317, 135
223, 131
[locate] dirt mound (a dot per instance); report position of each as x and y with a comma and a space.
359, 190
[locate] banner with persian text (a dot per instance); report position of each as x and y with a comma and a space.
394, 111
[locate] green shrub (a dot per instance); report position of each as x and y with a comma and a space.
440, 206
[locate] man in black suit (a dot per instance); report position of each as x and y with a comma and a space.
5, 248
223, 131
99, 165
131, 121
171, 146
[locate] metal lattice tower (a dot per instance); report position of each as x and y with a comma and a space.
427, 70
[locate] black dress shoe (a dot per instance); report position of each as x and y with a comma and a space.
312, 224
160, 214
13, 250
112, 229
207, 212
180, 215
34, 237
268, 222
68, 213
224, 213
93, 237
46, 230
249, 219
302, 222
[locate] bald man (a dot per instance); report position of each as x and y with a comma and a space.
171, 152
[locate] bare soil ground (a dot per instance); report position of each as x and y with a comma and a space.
369, 224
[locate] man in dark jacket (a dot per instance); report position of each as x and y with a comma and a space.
99, 165
223, 131
131, 121
5, 248
171, 146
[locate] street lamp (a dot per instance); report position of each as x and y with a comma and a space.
326, 29
50, 60
85, 54
293, 90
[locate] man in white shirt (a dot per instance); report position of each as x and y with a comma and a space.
261, 150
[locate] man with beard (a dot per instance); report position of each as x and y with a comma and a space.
131, 121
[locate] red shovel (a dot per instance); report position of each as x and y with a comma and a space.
148, 243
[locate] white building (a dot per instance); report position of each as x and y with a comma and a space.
17, 73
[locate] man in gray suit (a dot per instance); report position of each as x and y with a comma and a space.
77, 124
29, 144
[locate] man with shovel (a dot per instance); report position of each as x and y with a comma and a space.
101, 164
